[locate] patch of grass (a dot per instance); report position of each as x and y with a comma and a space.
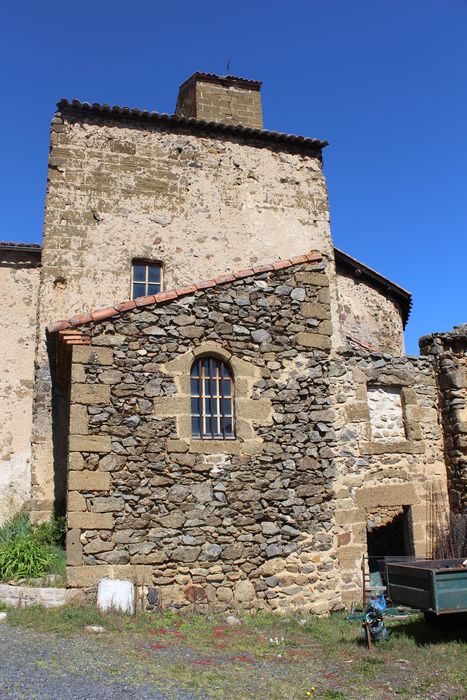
203, 653
3, 606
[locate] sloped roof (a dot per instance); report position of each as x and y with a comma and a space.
105, 111
103, 314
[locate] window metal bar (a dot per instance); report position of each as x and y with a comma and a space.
212, 388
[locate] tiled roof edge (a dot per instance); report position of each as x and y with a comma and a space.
103, 314
402, 296
234, 80
24, 247
105, 110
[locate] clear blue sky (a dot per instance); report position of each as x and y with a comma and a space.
383, 80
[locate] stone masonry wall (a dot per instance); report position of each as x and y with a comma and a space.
234, 524
19, 281
204, 204
367, 315
449, 353
375, 476
227, 101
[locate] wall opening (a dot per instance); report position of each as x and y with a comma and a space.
389, 534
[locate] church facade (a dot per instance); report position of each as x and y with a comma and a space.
216, 396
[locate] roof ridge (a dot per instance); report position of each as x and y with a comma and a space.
102, 314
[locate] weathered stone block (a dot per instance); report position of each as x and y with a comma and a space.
86, 576
317, 311
386, 495
357, 412
90, 393
74, 548
86, 354
75, 501
90, 443
314, 340
317, 279
87, 480
107, 504
177, 445
78, 419
404, 447
90, 521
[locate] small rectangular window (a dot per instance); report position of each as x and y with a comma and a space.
146, 278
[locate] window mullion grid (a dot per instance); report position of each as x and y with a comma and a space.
211, 398
219, 424
202, 403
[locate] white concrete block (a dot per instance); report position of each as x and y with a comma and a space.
113, 594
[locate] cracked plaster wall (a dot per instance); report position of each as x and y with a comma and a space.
19, 280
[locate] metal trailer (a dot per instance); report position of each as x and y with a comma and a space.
436, 587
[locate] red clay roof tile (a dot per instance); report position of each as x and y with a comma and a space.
101, 314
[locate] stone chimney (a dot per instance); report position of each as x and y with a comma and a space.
216, 98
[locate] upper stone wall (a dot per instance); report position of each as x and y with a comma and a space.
202, 205
19, 282
369, 316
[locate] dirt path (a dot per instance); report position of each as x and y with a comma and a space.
38, 666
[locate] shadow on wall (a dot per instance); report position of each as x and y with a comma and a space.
60, 423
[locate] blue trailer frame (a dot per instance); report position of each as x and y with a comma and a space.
438, 587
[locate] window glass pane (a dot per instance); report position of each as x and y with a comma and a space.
139, 272
154, 288
154, 274
212, 399
139, 290
195, 425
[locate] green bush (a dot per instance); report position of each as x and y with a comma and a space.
18, 526
24, 558
52, 532
31, 551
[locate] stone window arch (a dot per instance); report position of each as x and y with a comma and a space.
249, 412
212, 399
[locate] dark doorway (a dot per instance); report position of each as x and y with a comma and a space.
393, 539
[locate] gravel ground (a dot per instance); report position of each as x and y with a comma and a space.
35, 666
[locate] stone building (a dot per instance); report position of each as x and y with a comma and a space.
242, 439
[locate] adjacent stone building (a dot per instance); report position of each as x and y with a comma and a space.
234, 442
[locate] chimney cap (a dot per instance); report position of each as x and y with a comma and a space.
224, 80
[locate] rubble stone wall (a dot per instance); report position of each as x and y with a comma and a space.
375, 476
19, 281
449, 353
204, 204
234, 524
369, 316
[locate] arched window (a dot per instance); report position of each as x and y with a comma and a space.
211, 400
